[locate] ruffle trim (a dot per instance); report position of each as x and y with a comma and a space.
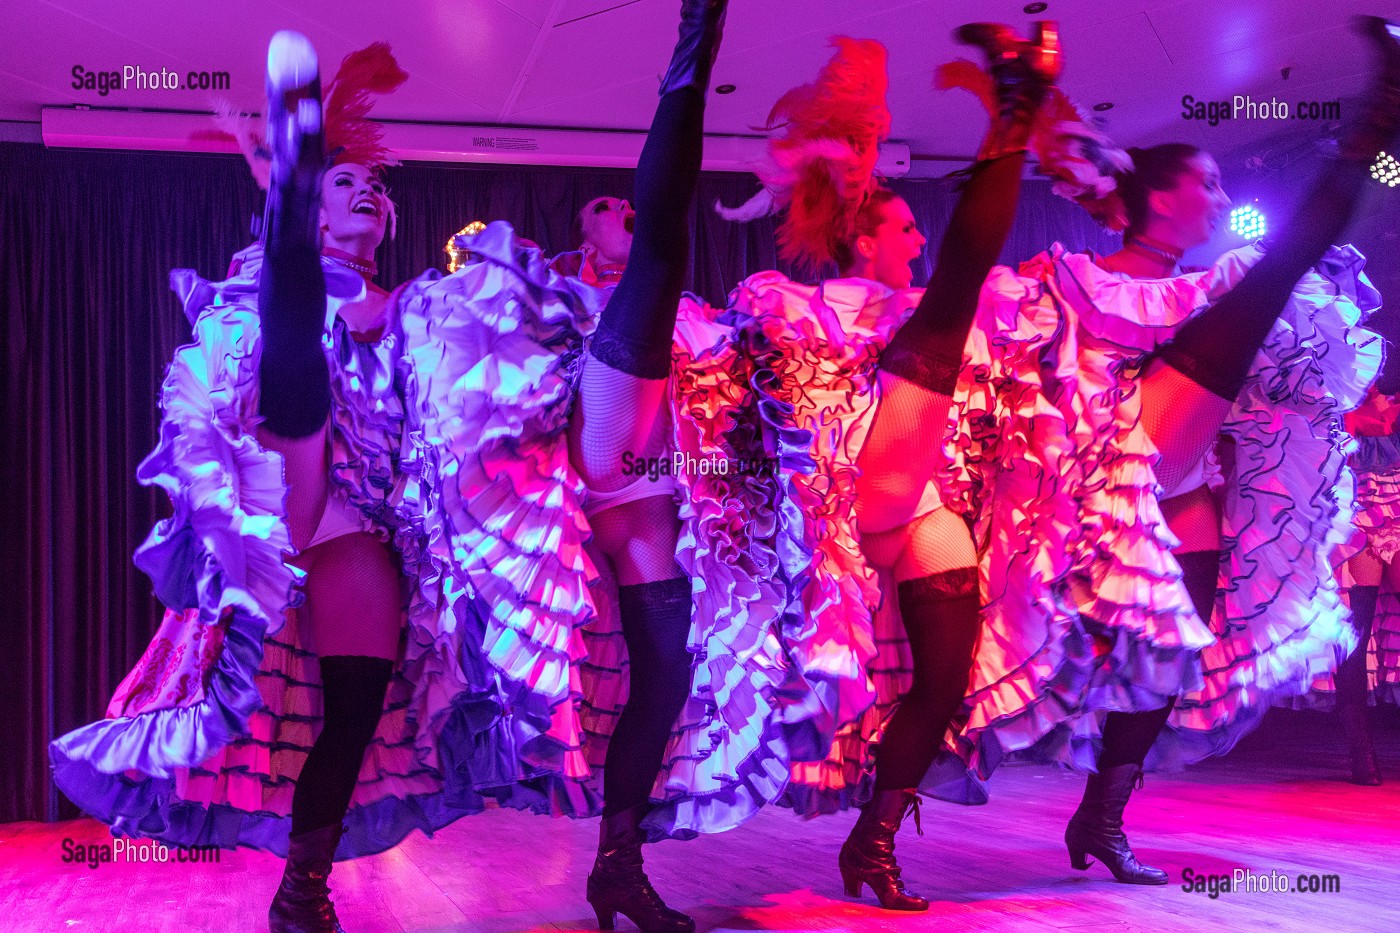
812, 398
500, 342
1288, 510
1378, 509
218, 561
1069, 331
491, 347
736, 751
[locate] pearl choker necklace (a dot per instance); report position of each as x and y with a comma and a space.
1144, 247
366, 268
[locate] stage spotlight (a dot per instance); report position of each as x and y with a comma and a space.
456, 249
1386, 170
1248, 222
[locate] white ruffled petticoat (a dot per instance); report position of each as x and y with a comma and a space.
1084, 611
1053, 461
206, 736
497, 347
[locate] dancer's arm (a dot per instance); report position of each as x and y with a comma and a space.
247, 261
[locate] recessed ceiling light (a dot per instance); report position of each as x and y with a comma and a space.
1105, 105
726, 89
1033, 8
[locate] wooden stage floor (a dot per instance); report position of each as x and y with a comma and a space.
1277, 804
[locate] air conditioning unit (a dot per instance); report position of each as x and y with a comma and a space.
64, 127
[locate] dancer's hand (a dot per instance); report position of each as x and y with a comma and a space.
246, 262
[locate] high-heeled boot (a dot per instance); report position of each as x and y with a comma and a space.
294, 134
1022, 71
868, 855
619, 885
1379, 124
702, 28
303, 901
1097, 827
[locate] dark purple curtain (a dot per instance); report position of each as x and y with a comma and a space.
89, 325
435, 201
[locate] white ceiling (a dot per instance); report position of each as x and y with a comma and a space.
594, 63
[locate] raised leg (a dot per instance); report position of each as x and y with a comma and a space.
919, 369
622, 407
293, 376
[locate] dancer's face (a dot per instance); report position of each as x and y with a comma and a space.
607, 230
1195, 208
895, 244
355, 206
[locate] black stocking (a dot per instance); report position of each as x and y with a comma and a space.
940, 614
353, 689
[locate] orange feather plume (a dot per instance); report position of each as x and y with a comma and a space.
350, 135
961, 73
822, 156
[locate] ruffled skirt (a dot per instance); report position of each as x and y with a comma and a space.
496, 348
205, 738
812, 397
1085, 609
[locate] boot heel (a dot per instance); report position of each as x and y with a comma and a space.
1097, 827
607, 918
619, 885
867, 858
853, 884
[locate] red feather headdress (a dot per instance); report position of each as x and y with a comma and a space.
821, 166
351, 136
